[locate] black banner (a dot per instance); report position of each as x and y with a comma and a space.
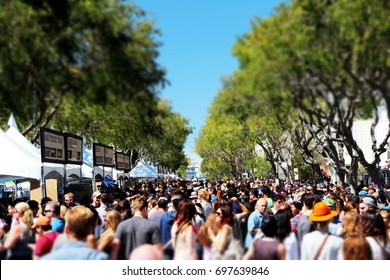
74, 149
52, 146
103, 155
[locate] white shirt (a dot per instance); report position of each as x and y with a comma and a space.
312, 242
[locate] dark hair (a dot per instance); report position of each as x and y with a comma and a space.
297, 205
46, 228
283, 224
373, 225
34, 205
310, 200
266, 190
162, 203
254, 192
185, 214
269, 226
227, 214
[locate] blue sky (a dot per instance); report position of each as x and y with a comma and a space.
197, 39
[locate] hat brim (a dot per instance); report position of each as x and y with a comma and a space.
322, 218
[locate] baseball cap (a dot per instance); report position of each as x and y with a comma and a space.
363, 193
96, 194
330, 202
41, 221
370, 201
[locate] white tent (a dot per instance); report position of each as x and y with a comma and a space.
17, 137
17, 161
143, 170
71, 169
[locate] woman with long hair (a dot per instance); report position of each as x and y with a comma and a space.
374, 230
350, 224
356, 247
203, 236
112, 218
285, 235
184, 233
224, 220
19, 237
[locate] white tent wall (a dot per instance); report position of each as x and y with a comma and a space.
16, 161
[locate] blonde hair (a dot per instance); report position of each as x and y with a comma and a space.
80, 221
26, 214
203, 194
69, 195
63, 210
113, 218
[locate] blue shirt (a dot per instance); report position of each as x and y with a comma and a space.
58, 224
254, 222
166, 223
76, 251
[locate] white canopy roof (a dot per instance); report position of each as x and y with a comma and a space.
143, 170
17, 161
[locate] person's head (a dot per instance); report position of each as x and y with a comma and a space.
79, 223
140, 206
147, 252
63, 210
34, 206
350, 224
104, 199
185, 214
321, 215
203, 195
176, 198
253, 194
261, 205
310, 200
69, 199
386, 217
266, 191
162, 203
330, 202
368, 204
125, 204
42, 225
296, 207
224, 215
112, 218
356, 247
52, 209
283, 224
350, 206
44, 200
96, 199
372, 224
269, 226
23, 213
286, 207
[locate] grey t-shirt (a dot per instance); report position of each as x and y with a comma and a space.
134, 232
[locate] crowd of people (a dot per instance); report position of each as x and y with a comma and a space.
259, 219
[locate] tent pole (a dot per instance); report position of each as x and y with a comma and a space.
43, 187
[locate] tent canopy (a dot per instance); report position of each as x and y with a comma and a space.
143, 170
16, 161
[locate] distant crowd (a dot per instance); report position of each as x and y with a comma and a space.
259, 219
